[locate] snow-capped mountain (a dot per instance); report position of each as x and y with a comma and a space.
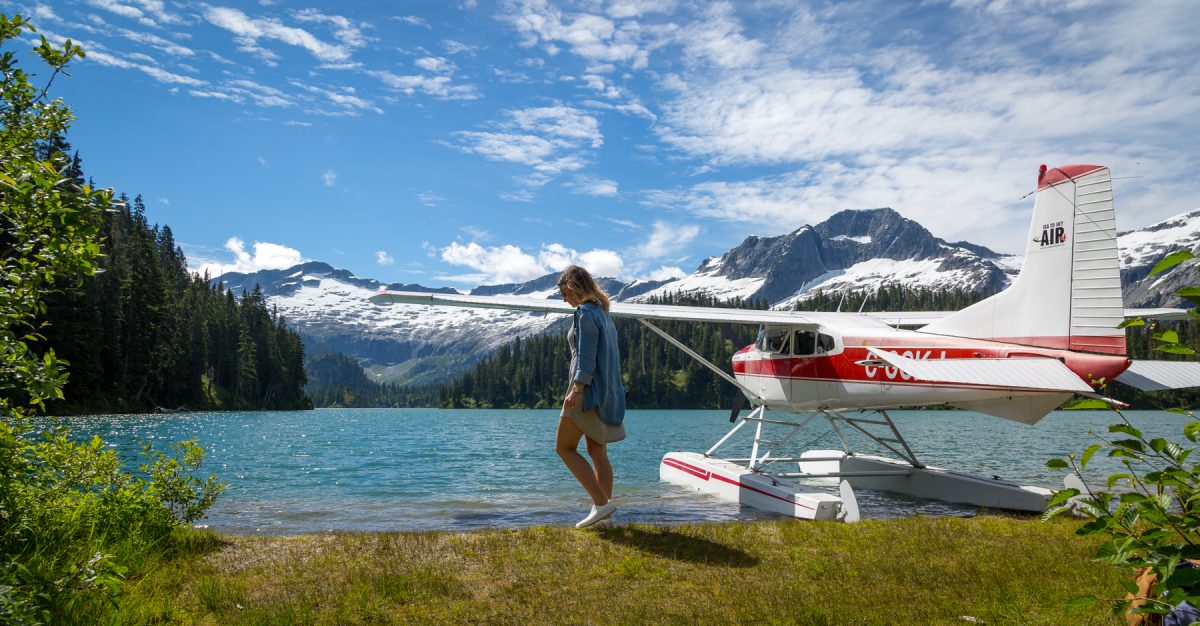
852, 250
407, 343
1141, 249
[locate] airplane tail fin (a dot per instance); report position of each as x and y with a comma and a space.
1068, 294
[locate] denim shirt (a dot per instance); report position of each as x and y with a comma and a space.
598, 363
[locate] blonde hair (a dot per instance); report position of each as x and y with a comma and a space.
580, 282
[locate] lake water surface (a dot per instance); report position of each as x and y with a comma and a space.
419, 469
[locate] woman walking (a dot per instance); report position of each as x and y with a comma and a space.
594, 407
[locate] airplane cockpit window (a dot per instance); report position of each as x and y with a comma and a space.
825, 344
773, 340
804, 343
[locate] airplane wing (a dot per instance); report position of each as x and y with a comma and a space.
917, 319
1016, 373
898, 319
1161, 375
1166, 315
618, 309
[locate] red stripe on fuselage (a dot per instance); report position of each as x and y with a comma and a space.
844, 367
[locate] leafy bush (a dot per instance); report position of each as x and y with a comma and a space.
1148, 513
69, 513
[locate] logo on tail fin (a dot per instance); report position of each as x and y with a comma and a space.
1052, 235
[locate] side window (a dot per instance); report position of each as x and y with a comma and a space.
773, 340
805, 340
825, 344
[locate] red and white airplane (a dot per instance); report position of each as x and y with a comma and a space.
1016, 355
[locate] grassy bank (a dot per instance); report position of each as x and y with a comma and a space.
918, 571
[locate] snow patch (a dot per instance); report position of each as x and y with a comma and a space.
1149, 245
862, 239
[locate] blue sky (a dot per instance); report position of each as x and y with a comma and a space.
472, 142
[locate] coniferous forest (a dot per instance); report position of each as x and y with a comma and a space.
144, 334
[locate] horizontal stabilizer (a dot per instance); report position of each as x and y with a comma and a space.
1040, 374
1163, 315
618, 309
1161, 375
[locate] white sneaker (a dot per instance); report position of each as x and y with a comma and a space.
598, 514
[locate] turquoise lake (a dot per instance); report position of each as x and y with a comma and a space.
426, 469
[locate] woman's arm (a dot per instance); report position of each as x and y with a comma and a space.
587, 342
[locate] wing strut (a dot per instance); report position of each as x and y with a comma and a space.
703, 361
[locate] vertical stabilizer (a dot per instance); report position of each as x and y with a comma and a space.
1068, 294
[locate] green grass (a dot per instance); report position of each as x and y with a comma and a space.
915, 571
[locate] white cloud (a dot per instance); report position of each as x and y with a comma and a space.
346, 31
440, 86
592, 186
717, 39
509, 264
665, 272
593, 37
476, 233
456, 47
667, 239
42, 13
496, 265
429, 198
267, 256
383, 258
435, 64
263, 162
413, 20
157, 73
636, 8
249, 30
602, 263
329, 178
152, 40
551, 140
345, 98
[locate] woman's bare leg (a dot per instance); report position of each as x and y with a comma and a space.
604, 473
566, 443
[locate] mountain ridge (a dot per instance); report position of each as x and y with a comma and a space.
852, 250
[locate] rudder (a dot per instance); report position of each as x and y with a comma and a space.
1068, 294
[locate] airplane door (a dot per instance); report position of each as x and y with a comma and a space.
773, 382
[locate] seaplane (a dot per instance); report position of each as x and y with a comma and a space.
1017, 355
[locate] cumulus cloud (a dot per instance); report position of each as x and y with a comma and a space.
383, 258
510, 264
666, 238
329, 178
266, 256
496, 264
665, 272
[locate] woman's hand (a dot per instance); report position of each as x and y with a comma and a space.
573, 396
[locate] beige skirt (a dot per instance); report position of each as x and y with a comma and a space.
591, 424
